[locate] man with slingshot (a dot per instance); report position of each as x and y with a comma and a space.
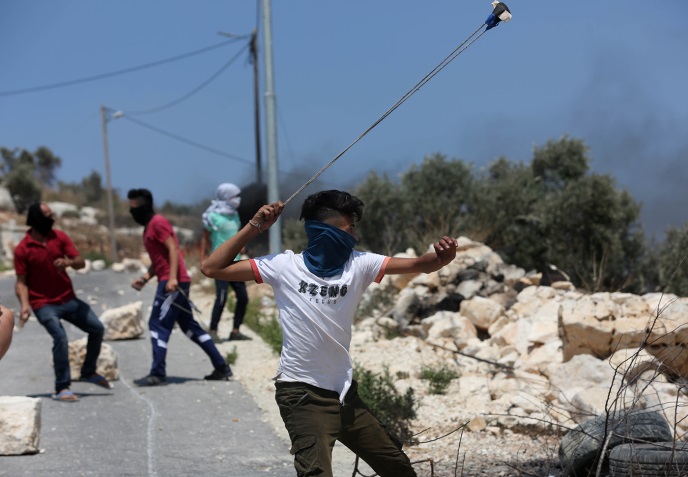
317, 292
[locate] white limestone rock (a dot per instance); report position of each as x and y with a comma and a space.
20, 425
106, 365
124, 323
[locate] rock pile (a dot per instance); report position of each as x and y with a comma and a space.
529, 358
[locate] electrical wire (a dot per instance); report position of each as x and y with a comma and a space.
448, 59
190, 142
190, 93
198, 145
62, 84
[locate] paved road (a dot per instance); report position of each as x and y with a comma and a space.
189, 427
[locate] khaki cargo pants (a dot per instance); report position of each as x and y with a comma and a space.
316, 419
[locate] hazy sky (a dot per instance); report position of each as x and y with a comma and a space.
612, 73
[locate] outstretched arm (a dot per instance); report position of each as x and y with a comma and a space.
221, 265
445, 251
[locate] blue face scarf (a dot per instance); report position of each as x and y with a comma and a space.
329, 248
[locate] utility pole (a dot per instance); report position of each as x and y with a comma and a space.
256, 104
271, 127
111, 210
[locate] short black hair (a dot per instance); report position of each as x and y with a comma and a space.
142, 196
327, 204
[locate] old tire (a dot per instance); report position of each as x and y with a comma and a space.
581, 447
660, 459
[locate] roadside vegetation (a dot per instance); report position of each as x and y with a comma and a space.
393, 409
265, 326
438, 378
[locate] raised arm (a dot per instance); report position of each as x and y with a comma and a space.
221, 265
445, 252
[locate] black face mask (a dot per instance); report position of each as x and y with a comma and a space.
39, 222
142, 214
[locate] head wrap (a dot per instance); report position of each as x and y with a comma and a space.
328, 250
38, 221
142, 214
226, 202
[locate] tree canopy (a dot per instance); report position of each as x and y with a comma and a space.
550, 211
23, 173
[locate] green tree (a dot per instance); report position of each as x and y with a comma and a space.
554, 211
382, 228
92, 187
561, 161
506, 213
22, 186
590, 227
594, 233
46, 163
671, 259
431, 200
24, 172
438, 196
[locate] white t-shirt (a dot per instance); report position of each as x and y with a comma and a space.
316, 315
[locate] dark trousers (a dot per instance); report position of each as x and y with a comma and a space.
316, 419
80, 315
221, 287
169, 308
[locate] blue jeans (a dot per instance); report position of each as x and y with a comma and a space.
221, 299
80, 315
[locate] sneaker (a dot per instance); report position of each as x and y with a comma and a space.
151, 380
220, 374
214, 336
238, 336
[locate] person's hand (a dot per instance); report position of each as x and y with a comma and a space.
24, 315
267, 215
139, 283
446, 249
172, 285
62, 263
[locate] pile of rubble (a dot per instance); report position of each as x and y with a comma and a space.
528, 358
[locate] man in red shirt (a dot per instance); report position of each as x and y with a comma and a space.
171, 303
43, 286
